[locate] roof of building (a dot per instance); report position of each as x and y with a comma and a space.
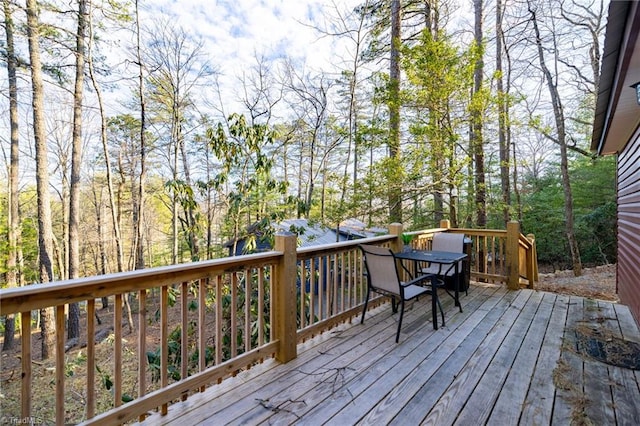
617, 115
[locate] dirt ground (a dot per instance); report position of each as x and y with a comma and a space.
596, 283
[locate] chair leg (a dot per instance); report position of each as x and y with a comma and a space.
366, 302
400, 320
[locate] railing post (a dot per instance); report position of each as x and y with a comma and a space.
396, 229
533, 259
445, 223
513, 255
284, 298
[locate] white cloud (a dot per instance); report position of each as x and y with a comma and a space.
235, 31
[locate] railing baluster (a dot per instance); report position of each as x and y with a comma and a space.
312, 289
321, 284
25, 339
303, 297
502, 270
343, 273
359, 275
218, 320
91, 358
348, 278
142, 346
60, 368
271, 301
117, 348
234, 314
260, 318
202, 338
164, 338
184, 333
248, 278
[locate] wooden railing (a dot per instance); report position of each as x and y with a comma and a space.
496, 256
222, 316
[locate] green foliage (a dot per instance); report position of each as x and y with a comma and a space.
544, 217
596, 235
174, 340
28, 235
594, 196
407, 238
440, 77
174, 355
255, 196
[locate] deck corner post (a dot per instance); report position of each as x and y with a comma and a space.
396, 229
445, 223
284, 298
513, 255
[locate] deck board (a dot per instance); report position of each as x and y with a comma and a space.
478, 406
509, 358
539, 409
451, 359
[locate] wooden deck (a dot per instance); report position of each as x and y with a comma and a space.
510, 358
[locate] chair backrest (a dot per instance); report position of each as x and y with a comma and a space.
381, 268
447, 241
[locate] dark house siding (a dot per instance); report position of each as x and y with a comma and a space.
629, 225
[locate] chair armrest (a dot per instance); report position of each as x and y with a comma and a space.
418, 280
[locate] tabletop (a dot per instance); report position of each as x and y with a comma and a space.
443, 257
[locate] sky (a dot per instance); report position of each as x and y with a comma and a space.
233, 29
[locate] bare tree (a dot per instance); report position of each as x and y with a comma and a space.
477, 121
310, 106
45, 229
260, 91
561, 140
179, 68
503, 119
139, 209
351, 26
14, 275
105, 151
73, 326
395, 197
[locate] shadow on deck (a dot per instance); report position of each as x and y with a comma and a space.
512, 357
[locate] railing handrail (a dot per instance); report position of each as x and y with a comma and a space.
322, 249
44, 295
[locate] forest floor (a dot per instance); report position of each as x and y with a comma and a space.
596, 283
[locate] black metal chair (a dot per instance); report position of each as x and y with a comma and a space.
447, 241
383, 278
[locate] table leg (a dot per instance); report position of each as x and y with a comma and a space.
458, 286
434, 300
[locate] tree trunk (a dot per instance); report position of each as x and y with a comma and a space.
139, 243
558, 114
190, 209
477, 142
73, 326
395, 195
143, 150
107, 159
13, 211
45, 229
503, 114
102, 263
